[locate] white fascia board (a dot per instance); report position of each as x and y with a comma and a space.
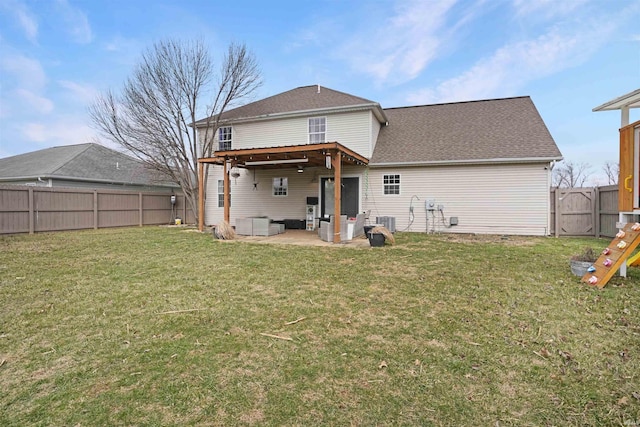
377, 111
467, 162
630, 100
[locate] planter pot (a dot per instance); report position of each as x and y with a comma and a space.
579, 268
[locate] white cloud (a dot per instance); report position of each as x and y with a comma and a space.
58, 131
514, 65
28, 72
24, 18
84, 93
402, 46
546, 8
76, 22
34, 102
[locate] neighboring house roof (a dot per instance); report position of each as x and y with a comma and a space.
83, 162
498, 130
302, 100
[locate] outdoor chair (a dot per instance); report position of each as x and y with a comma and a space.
326, 230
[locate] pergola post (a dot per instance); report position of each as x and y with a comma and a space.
336, 161
200, 196
624, 116
226, 191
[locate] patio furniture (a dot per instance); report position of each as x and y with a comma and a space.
326, 229
257, 226
358, 224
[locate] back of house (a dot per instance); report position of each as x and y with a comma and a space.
466, 167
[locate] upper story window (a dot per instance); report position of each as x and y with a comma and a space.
280, 186
317, 130
391, 184
224, 138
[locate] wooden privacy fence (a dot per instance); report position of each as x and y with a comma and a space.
23, 209
26, 209
584, 211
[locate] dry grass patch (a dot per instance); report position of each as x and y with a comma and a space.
159, 326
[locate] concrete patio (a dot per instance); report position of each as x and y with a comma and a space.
301, 238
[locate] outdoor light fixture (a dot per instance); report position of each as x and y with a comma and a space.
275, 162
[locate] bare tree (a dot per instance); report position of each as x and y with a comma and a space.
152, 116
570, 174
612, 170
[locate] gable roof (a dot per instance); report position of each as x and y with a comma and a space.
301, 100
82, 162
495, 130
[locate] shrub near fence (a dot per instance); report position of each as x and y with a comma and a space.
25, 209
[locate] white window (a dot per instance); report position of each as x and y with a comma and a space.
224, 138
280, 186
317, 130
221, 194
391, 184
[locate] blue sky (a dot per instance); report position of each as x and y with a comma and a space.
568, 55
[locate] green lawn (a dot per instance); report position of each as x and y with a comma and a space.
437, 330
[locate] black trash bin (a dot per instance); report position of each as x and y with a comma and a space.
376, 239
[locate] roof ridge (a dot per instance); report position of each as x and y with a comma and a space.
345, 93
459, 102
64, 162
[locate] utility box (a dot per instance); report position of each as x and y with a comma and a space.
389, 222
453, 220
430, 204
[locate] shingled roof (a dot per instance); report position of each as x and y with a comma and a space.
82, 162
501, 130
301, 99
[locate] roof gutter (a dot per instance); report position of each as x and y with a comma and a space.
467, 162
377, 111
73, 178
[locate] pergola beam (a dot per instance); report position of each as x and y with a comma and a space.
314, 155
314, 152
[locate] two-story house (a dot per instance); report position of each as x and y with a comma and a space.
484, 165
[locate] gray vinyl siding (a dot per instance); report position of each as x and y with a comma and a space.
487, 199
247, 202
123, 187
491, 199
349, 129
67, 183
375, 130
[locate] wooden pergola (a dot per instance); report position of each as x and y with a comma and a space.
331, 155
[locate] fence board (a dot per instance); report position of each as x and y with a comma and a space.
578, 212
584, 211
25, 209
608, 209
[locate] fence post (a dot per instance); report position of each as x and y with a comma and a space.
140, 209
31, 219
558, 211
596, 210
184, 208
95, 209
